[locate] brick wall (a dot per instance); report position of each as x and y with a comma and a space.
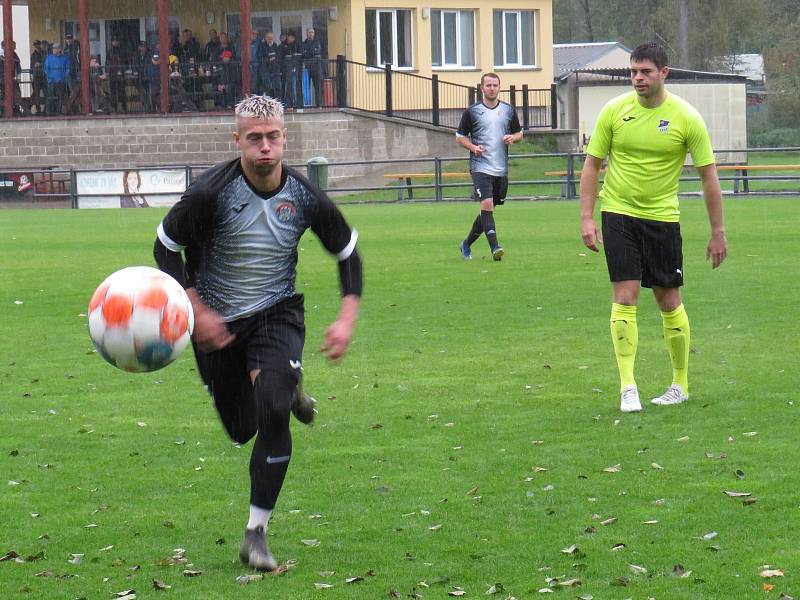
121, 142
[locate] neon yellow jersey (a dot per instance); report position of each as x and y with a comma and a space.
646, 149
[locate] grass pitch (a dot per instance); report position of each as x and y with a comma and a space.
471, 441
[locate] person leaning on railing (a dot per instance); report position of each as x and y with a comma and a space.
56, 70
312, 59
115, 62
17, 72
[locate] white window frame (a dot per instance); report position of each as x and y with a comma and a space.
459, 50
518, 37
395, 53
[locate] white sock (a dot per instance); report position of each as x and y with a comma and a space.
259, 517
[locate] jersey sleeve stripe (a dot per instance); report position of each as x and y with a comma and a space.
347, 250
168, 241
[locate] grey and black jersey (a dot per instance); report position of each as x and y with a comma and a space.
241, 245
486, 127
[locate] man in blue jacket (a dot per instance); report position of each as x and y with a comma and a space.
56, 69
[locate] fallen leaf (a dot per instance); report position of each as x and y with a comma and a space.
191, 573
393, 594
494, 589
739, 474
710, 535
435, 527
160, 585
76, 559
737, 494
637, 569
620, 582
684, 438
125, 594
454, 592
618, 546
679, 571
771, 573
569, 583
609, 521
650, 522
323, 586
749, 501
767, 587
613, 469
311, 543
657, 466
355, 579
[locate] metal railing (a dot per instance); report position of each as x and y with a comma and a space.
532, 176
217, 86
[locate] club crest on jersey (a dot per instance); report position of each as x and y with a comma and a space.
663, 125
285, 212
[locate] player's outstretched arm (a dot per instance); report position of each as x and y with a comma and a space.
590, 176
717, 249
339, 335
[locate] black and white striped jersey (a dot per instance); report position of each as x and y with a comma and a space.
240, 245
486, 127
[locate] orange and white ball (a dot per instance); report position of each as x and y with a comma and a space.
140, 319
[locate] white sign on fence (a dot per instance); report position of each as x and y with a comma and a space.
130, 188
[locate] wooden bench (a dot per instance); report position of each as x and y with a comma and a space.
407, 177
740, 173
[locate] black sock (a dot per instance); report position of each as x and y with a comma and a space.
487, 221
273, 447
475, 232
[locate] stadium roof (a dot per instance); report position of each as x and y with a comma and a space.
567, 58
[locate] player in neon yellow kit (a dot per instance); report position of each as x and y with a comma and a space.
646, 134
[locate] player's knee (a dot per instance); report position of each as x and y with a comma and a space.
274, 390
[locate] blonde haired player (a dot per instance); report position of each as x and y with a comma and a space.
238, 226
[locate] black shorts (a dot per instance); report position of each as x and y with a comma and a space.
489, 186
272, 339
644, 250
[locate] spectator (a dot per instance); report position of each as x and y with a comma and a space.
270, 68
72, 49
229, 81
116, 62
179, 101
289, 52
174, 42
38, 80
99, 97
312, 58
211, 49
16, 73
190, 47
139, 61
192, 80
56, 70
225, 44
256, 56
153, 77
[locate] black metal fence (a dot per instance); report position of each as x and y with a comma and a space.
764, 171
217, 86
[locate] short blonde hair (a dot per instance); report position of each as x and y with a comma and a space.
260, 107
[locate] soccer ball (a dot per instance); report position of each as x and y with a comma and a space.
140, 319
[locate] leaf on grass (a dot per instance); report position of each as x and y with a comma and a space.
311, 543
710, 535
767, 587
436, 527
168, 524
656, 466
650, 522
191, 573
767, 572
472, 491
609, 521
618, 546
355, 579
739, 474
684, 438
10, 555
586, 597
323, 586
495, 589
737, 494
567, 583
326, 573
75, 559
456, 591
125, 594
620, 582
749, 501
750, 433
393, 594
160, 585
639, 570
679, 571
613, 469
105, 548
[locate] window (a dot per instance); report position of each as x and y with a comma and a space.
453, 38
514, 38
389, 37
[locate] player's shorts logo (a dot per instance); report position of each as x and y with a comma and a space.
285, 212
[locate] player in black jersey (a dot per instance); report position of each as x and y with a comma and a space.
487, 128
238, 226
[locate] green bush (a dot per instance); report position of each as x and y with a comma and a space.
775, 138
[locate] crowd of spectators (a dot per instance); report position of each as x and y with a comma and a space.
201, 77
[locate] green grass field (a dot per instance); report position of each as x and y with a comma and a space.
465, 443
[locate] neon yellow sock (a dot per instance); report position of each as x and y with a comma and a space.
625, 336
676, 336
